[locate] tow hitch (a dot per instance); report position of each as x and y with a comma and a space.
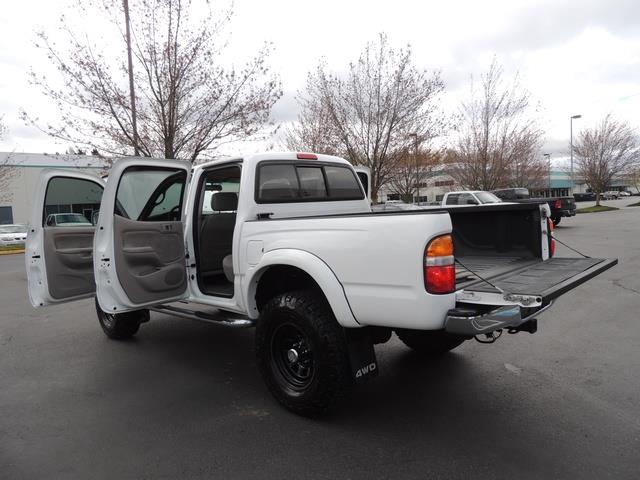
489, 325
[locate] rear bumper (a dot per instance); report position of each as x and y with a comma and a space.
469, 324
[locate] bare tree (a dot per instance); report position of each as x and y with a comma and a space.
605, 151
411, 172
498, 136
368, 114
314, 130
7, 171
188, 103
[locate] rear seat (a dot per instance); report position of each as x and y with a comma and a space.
216, 234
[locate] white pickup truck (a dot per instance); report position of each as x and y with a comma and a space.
288, 243
469, 197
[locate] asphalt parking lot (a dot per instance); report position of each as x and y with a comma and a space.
184, 400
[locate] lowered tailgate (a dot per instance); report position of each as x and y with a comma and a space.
544, 279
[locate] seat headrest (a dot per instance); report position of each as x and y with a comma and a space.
224, 201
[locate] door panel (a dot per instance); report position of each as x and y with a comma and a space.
149, 259
69, 257
59, 247
140, 251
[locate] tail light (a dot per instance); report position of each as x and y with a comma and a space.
557, 204
552, 242
439, 269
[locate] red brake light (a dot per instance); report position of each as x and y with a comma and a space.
552, 242
557, 204
440, 279
307, 156
439, 269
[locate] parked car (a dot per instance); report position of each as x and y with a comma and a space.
469, 197
290, 246
610, 195
584, 197
560, 206
13, 234
67, 220
624, 193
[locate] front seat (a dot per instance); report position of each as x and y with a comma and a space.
216, 234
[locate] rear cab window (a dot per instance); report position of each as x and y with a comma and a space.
293, 182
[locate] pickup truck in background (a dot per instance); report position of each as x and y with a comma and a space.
469, 197
560, 206
287, 243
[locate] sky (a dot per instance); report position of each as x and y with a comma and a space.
574, 56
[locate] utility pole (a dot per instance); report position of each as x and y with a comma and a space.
571, 148
415, 153
136, 151
548, 157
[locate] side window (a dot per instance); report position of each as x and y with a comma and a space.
364, 180
467, 199
312, 182
453, 199
277, 183
220, 191
151, 194
70, 202
343, 184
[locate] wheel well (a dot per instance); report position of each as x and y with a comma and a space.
283, 278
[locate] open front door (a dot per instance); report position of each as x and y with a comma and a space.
140, 250
59, 247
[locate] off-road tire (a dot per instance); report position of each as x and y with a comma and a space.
302, 321
430, 342
120, 326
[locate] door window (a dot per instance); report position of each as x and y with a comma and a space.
70, 202
452, 199
467, 199
151, 194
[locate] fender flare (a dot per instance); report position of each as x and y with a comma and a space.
315, 268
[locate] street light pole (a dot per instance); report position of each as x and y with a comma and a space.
571, 147
548, 157
415, 153
136, 151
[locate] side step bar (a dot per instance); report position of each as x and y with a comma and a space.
217, 317
469, 323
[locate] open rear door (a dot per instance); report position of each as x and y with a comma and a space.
59, 247
140, 250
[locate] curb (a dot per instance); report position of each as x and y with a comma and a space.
11, 252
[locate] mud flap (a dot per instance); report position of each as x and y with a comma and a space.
362, 355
